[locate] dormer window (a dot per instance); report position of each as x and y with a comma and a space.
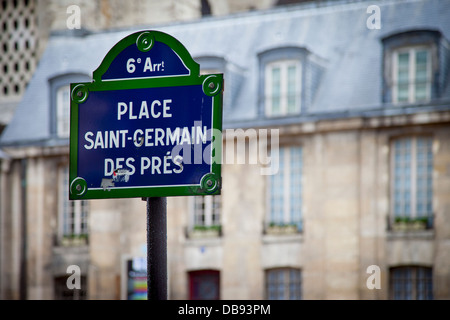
415, 67
283, 88
412, 75
289, 78
63, 111
211, 64
232, 75
60, 103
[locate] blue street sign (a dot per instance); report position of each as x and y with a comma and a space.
148, 125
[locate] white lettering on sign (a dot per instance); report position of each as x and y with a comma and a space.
166, 165
112, 167
105, 139
147, 135
147, 66
156, 110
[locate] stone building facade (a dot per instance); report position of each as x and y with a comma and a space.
358, 207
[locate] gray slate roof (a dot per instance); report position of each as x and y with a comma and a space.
335, 32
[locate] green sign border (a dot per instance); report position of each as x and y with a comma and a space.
212, 85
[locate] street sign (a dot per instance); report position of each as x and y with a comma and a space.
148, 125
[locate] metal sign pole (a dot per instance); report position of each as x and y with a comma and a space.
156, 248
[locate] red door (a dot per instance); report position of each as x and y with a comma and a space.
204, 285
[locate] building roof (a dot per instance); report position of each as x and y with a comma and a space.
336, 34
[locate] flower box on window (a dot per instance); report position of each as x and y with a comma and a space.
407, 223
205, 232
277, 229
74, 240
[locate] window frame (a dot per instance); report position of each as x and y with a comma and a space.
287, 273
283, 65
413, 184
307, 64
63, 111
208, 210
288, 217
56, 85
204, 217
412, 52
438, 47
421, 277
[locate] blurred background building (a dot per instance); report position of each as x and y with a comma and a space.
360, 206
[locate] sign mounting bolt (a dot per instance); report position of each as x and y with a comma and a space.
211, 85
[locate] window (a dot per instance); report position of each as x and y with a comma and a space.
207, 210
60, 103
233, 76
415, 65
412, 75
412, 178
205, 218
282, 87
204, 285
411, 283
289, 80
283, 284
285, 189
63, 111
73, 217
205, 8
